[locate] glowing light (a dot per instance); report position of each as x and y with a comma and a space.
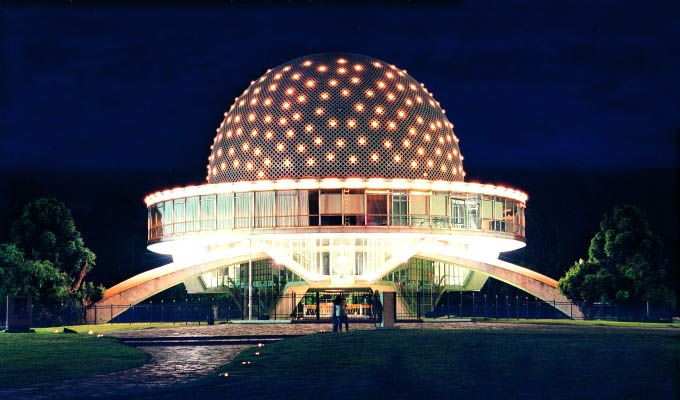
286, 162
391, 125
267, 119
239, 131
443, 168
375, 124
406, 143
290, 133
307, 63
253, 101
359, 107
269, 135
318, 141
330, 157
245, 146
397, 158
236, 163
340, 142
387, 144
267, 102
433, 127
379, 110
412, 131
377, 64
280, 147
427, 137
283, 121
310, 83
414, 164
381, 84
361, 140
223, 166
400, 87
430, 163
290, 91
260, 174
324, 96
267, 162
419, 100
342, 70
389, 75
301, 148
231, 151
369, 93
237, 118
401, 114
375, 157
438, 151
309, 128
251, 117
297, 116
421, 151
355, 80
302, 98
419, 120
219, 153
332, 123
322, 68
249, 166
277, 76
352, 159
273, 87
449, 156
257, 151
345, 92
333, 83
358, 67
285, 105
295, 76
351, 123
341, 61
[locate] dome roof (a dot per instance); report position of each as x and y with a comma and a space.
335, 115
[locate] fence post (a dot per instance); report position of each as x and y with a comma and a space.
318, 307
517, 306
486, 314
418, 305
448, 305
132, 313
461, 304
95, 314
474, 309
496, 307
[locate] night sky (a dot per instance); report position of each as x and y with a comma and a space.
529, 86
576, 104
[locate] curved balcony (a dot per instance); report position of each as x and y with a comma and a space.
333, 206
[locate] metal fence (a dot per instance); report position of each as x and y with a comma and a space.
315, 307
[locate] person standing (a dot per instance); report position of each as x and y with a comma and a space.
335, 313
343, 313
376, 309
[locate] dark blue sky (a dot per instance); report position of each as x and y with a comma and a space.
530, 85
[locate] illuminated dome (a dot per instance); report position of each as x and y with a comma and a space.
338, 116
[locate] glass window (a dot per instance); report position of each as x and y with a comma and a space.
330, 207
243, 210
458, 212
178, 214
286, 207
438, 210
399, 208
167, 218
264, 209
225, 211
208, 222
376, 207
420, 210
191, 215
353, 207
473, 214
309, 209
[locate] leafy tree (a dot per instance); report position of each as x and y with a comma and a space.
48, 258
625, 263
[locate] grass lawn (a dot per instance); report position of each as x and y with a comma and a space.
104, 328
574, 322
405, 364
27, 358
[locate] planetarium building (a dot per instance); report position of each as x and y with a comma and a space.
334, 172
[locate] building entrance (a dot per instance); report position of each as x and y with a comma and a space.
316, 304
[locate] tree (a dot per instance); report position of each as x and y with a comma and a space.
48, 258
625, 263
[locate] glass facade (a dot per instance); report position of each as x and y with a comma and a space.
335, 207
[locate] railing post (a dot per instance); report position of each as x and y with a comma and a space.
418, 306
461, 304
95, 314
486, 314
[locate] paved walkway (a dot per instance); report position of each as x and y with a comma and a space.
177, 364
